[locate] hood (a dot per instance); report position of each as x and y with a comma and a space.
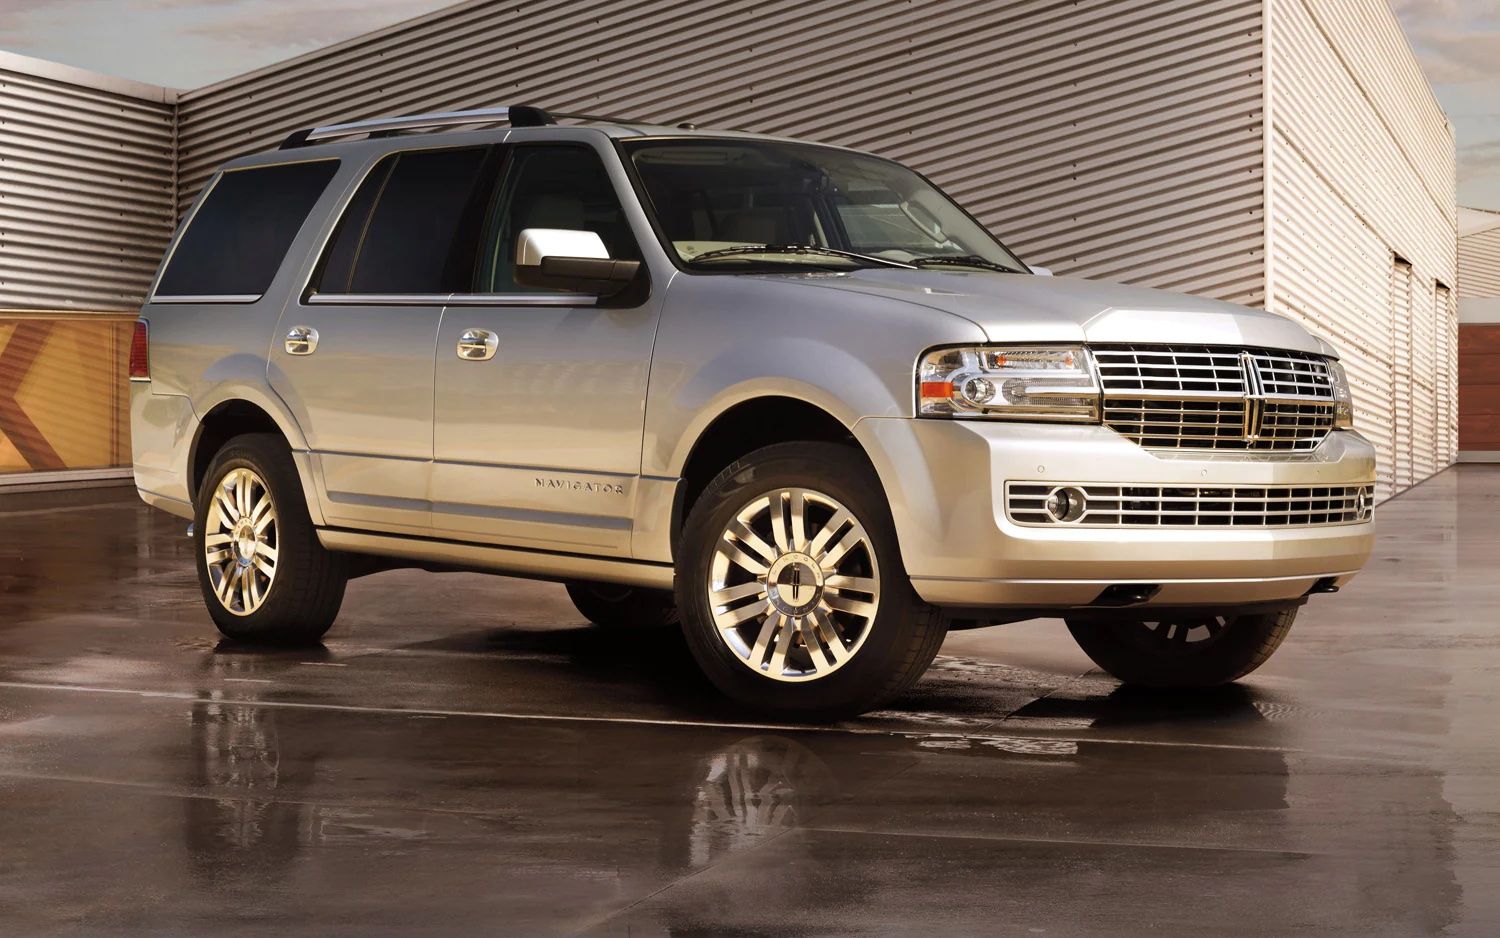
1024, 308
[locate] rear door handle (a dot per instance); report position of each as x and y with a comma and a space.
302, 340
477, 345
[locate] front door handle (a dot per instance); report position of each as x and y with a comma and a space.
477, 345
302, 340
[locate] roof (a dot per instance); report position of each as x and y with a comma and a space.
1473, 221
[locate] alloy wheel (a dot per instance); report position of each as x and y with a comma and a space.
240, 541
794, 585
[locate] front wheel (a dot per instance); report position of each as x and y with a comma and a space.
265, 576
793, 595
1167, 650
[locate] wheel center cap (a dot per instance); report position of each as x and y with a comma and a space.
244, 544
794, 584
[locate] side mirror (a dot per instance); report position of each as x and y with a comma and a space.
1040, 271
570, 260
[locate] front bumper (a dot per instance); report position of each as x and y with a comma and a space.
945, 480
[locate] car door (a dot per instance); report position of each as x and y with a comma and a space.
353, 356
541, 394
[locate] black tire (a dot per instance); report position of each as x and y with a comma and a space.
900, 640
614, 606
1183, 651
302, 600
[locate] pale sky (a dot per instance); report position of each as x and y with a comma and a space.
189, 43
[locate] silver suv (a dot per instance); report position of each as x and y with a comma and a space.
789, 395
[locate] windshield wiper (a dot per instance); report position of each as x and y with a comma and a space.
793, 249
963, 260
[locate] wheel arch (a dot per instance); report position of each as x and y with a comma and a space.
748, 425
235, 415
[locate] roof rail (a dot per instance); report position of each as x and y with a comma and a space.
519, 115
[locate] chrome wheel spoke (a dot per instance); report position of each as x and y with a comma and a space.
265, 566
858, 584
843, 603
763, 639
260, 514
226, 584
750, 539
835, 524
829, 633
848, 542
734, 618
743, 559
217, 556
814, 645
783, 642
228, 513
729, 594
797, 510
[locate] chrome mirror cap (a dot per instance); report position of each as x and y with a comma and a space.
534, 244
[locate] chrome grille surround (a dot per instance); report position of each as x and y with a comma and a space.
1216, 397
1192, 506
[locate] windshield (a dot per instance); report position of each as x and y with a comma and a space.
713, 198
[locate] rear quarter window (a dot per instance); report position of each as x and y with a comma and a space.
239, 236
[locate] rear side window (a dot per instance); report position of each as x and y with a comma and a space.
239, 236
413, 226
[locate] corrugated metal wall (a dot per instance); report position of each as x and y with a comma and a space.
1479, 264
1361, 239
87, 172
1118, 139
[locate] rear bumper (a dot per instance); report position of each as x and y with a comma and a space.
946, 484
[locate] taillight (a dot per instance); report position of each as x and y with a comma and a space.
140, 352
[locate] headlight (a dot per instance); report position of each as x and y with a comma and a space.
1343, 400
1018, 383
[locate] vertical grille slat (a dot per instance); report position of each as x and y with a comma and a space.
1198, 397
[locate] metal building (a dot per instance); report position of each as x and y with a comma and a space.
1285, 153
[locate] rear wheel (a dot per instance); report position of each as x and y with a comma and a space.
614, 606
791, 586
1168, 650
264, 575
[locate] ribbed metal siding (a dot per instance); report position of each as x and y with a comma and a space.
1479, 264
1118, 139
86, 193
1361, 173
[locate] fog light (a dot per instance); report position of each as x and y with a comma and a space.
978, 391
1066, 504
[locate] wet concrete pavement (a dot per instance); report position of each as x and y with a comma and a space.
464, 755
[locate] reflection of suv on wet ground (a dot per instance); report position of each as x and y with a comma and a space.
791, 392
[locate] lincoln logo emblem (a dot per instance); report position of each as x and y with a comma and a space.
792, 576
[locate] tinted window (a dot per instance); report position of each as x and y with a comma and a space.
551, 187
413, 226
239, 235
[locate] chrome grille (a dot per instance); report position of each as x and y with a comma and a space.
1212, 397
1155, 506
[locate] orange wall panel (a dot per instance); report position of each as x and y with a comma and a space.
63, 391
